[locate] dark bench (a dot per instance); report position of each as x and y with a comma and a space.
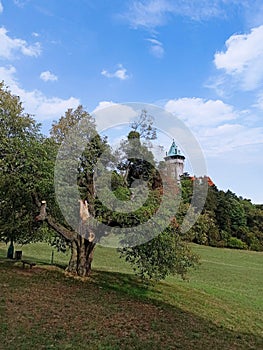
25, 262
18, 254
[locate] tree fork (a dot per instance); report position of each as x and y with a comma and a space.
81, 245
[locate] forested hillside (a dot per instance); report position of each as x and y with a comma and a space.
226, 219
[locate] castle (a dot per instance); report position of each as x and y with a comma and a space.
175, 161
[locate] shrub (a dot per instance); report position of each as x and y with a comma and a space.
236, 243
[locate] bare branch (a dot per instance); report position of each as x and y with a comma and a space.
67, 234
63, 231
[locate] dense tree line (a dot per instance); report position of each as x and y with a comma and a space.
226, 219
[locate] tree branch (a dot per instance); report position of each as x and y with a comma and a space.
67, 234
63, 231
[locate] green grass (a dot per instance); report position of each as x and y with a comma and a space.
227, 289
219, 307
38, 252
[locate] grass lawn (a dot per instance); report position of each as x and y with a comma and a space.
220, 307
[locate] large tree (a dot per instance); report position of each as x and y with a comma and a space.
79, 234
22, 158
133, 164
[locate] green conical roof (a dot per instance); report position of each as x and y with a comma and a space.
174, 150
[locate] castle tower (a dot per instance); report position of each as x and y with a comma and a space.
175, 162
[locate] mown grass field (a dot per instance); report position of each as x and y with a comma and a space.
220, 307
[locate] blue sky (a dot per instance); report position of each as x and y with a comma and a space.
200, 60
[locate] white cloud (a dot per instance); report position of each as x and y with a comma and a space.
7, 75
243, 58
35, 102
149, 14
199, 112
9, 46
1, 7
120, 73
155, 13
48, 76
20, 3
156, 47
218, 127
103, 104
228, 138
109, 114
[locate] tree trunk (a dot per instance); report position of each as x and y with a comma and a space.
82, 251
73, 262
86, 257
81, 244
10, 251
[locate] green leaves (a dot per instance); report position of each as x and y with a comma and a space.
164, 255
226, 220
22, 161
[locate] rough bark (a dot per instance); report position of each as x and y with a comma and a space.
81, 245
81, 256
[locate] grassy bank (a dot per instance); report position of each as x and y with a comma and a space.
219, 307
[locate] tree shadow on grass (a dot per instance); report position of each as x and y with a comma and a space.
181, 329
